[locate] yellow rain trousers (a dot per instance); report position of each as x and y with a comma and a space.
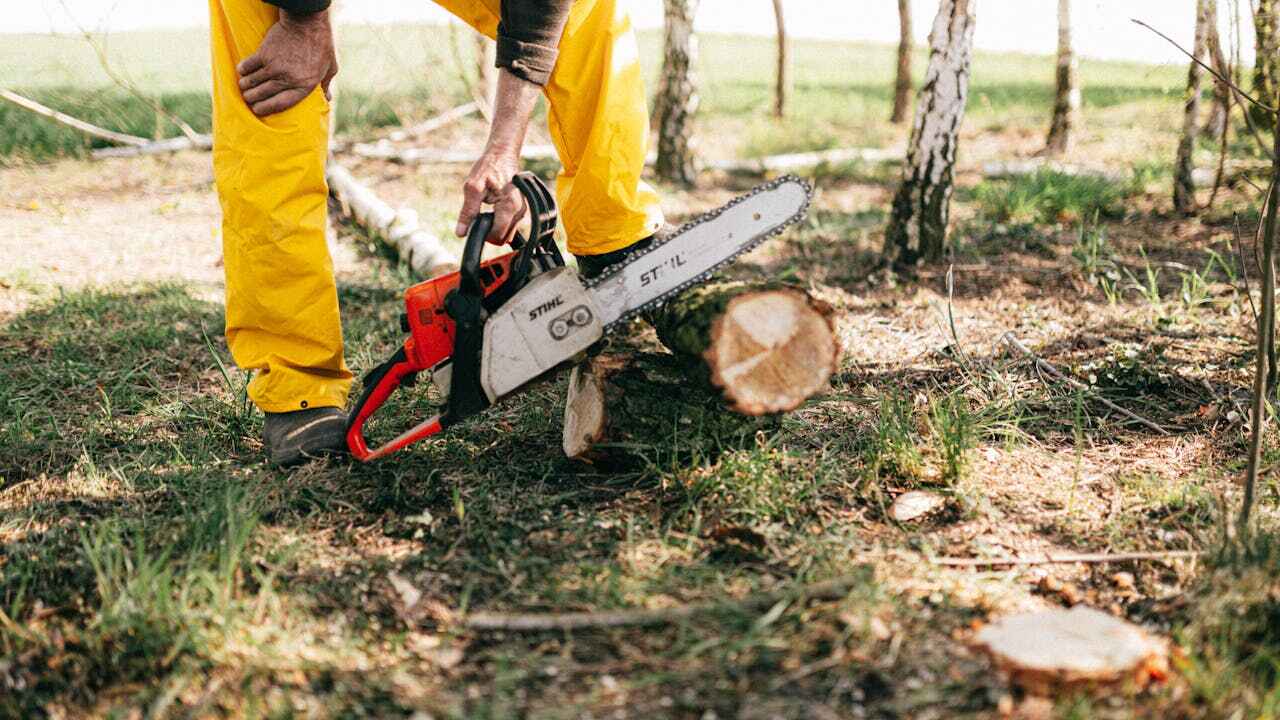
282, 304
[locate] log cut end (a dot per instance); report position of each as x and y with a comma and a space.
585, 415
771, 350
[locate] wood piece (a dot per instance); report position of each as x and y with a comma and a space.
159, 147
835, 589
384, 150
1065, 559
418, 247
791, 162
61, 117
586, 415
1044, 365
914, 505
767, 347
1056, 649
426, 127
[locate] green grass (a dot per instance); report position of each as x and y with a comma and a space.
1051, 197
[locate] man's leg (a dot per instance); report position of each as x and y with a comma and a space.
599, 122
282, 303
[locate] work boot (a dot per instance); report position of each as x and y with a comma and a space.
590, 266
295, 437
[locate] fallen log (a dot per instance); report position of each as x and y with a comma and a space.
65, 119
419, 248
766, 348
430, 125
794, 162
384, 150
159, 147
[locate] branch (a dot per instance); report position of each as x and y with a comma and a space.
1044, 365
82, 126
1063, 559
158, 147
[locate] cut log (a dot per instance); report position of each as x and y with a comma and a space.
766, 348
420, 249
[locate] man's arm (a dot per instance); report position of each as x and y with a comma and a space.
528, 45
295, 57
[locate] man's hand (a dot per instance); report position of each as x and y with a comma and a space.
490, 178
296, 56
490, 183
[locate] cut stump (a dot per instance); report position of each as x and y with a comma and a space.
1044, 652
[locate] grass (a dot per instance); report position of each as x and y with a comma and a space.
154, 566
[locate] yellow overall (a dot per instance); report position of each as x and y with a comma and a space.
282, 303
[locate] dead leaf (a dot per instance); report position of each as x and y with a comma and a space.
915, 504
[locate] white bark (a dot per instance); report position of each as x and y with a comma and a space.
1184, 197
677, 101
921, 209
417, 247
384, 150
65, 119
157, 147
1066, 106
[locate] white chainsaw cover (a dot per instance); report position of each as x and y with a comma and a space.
549, 321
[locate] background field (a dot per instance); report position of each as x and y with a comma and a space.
152, 566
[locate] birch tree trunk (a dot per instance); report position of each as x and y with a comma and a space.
918, 226
677, 94
1216, 123
1266, 69
1066, 105
902, 88
783, 80
487, 72
1184, 189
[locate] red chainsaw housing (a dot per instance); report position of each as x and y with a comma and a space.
431, 337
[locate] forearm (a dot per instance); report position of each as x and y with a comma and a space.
512, 111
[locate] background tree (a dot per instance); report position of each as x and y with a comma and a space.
918, 226
1266, 69
1066, 105
677, 93
1184, 190
902, 88
783, 82
1215, 124
486, 72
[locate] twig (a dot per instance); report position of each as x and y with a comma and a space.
835, 589
65, 119
951, 316
1044, 365
1240, 94
1064, 559
1244, 269
447, 117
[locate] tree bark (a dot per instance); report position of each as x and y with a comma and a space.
487, 73
902, 88
918, 225
765, 347
1066, 105
677, 100
1215, 125
1266, 68
1184, 190
782, 83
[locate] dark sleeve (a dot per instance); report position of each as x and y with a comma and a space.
301, 7
529, 37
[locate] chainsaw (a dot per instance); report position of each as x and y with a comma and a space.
496, 326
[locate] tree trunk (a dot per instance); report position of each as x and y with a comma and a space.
902, 88
677, 94
1066, 105
783, 79
766, 348
1266, 69
918, 226
487, 73
1216, 123
1184, 189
